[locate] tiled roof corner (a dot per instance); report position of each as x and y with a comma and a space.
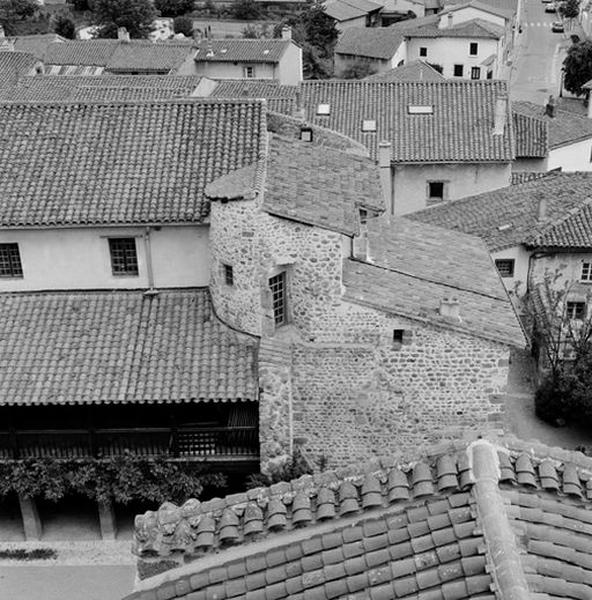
416, 70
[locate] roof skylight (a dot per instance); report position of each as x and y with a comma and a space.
369, 125
420, 109
323, 109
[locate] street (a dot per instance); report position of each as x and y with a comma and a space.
537, 71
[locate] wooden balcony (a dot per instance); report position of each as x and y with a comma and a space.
215, 444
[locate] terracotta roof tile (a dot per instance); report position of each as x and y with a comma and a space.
459, 129
15, 65
106, 88
65, 164
232, 50
36, 44
343, 10
428, 27
105, 347
381, 42
415, 70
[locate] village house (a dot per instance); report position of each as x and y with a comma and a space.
279, 59
415, 70
532, 229
489, 519
428, 164
548, 138
287, 277
394, 11
353, 13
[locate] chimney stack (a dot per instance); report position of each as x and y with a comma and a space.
386, 178
499, 123
286, 32
123, 34
550, 107
450, 308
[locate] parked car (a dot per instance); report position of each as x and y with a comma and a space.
547, 1
550, 8
557, 27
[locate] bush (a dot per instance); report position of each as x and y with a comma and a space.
247, 10
137, 16
14, 11
173, 8
358, 70
183, 25
80, 5
294, 468
550, 401
63, 25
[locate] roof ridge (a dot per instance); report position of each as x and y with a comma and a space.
561, 220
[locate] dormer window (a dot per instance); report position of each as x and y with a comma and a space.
420, 109
323, 109
369, 125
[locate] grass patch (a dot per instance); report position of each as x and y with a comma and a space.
35, 554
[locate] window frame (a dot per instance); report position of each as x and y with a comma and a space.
13, 261
476, 45
575, 310
249, 69
509, 261
475, 71
434, 198
586, 272
228, 274
459, 67
423, 51
127, 260
278, 286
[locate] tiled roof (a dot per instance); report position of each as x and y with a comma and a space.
505, 8
372, 42
460, 129
416, 70
120, 56
413, 268
309, 183
106, 88
99, 164
122, 346
531, 135
36, 45
342, 10
232, 50
509, 216
13, 65
564, 128
475, 28
280, 98
496, 519
524, 176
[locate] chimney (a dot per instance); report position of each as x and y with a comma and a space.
386, 179
499, 123
286, 32
450, 308
542, 208
123, 34
550, 107
299, 112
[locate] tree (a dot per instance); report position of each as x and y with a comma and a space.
358, 70
12, 11
63, 25
183, 25
570, 9
174, 8
80, 5
578, 67
136, 16
245, 10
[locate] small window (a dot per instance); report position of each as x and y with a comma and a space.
473, 49
368, 125
489, 74
586, 271
305, 134
10, 261
505, 267
398, 336
363, 216
436, 190
124, 259
576, 311
423, 51
476, 73
228, 274
277, 285
323, 109
458, 70
249, 72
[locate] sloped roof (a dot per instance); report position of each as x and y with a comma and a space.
494, 519
372, 42
309, 183
120, 56
524, 176
506, 8
416, 70
13, 65
564, 128
509, 216
460, 129
101, 164
122, 346
280, 98
106, 88
232, 50
531, 134
36, 45
343, 10
474, 28
412, 267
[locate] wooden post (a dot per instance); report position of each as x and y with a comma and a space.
31, 520
107, 520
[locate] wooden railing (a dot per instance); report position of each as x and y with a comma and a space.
179, 442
